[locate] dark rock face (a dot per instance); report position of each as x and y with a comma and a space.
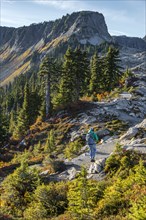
24, 37
82, 24
88, 27
131, 42
18, 45
79, 27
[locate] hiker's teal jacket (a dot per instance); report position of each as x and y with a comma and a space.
94, 135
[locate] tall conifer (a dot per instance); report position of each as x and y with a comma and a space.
23, 121
47, 69
74, 77
67, 88
3, 128
112, 71
96, 74
82, 197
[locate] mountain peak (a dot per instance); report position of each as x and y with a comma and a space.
88, 27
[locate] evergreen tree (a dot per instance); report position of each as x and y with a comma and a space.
3, 129
48, 201
34, 106
112, 71
127, 74
23, 121
96, 74
17, 189
50, 143
81, 71
42, 110
12, 123
47, 69
74, 77
67, 84
82, 197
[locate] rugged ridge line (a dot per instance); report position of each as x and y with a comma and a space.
18, 44
131, 42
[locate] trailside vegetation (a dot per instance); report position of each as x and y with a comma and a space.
120, 195
26, 110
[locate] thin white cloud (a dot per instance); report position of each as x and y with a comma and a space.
113, 15
58, 3
9, 21
8, 1
17, 21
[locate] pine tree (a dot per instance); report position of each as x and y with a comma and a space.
82, 197
23, 121
50, 143
17, 190
42, 110
48, 201
34, 106
96, 74
3, 129
81, 71
67, 87
12, 123
112, 71
74, 77
47, 69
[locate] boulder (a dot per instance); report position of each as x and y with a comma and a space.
46, 172
123, 104
94, 168
142, 124
75, 135
102, 133
141, 91
72, 172
97, 166
129, 134
126, 95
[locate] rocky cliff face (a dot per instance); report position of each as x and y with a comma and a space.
84, 25
144, 38
131, 42
89, 27
18, 44
132, 52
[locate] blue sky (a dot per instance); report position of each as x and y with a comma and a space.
123, 17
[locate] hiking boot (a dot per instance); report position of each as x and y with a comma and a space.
92, 160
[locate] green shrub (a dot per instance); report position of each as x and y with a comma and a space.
54, 165
24, 156
121, 160
17, 189
73, 149
138, 209
48, 201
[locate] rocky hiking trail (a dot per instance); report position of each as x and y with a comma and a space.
103, 151
95, 170
129, 108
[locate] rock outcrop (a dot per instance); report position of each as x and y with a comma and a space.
24, 47
130, 42
17, 45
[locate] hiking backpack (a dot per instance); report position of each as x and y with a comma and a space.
89, 138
